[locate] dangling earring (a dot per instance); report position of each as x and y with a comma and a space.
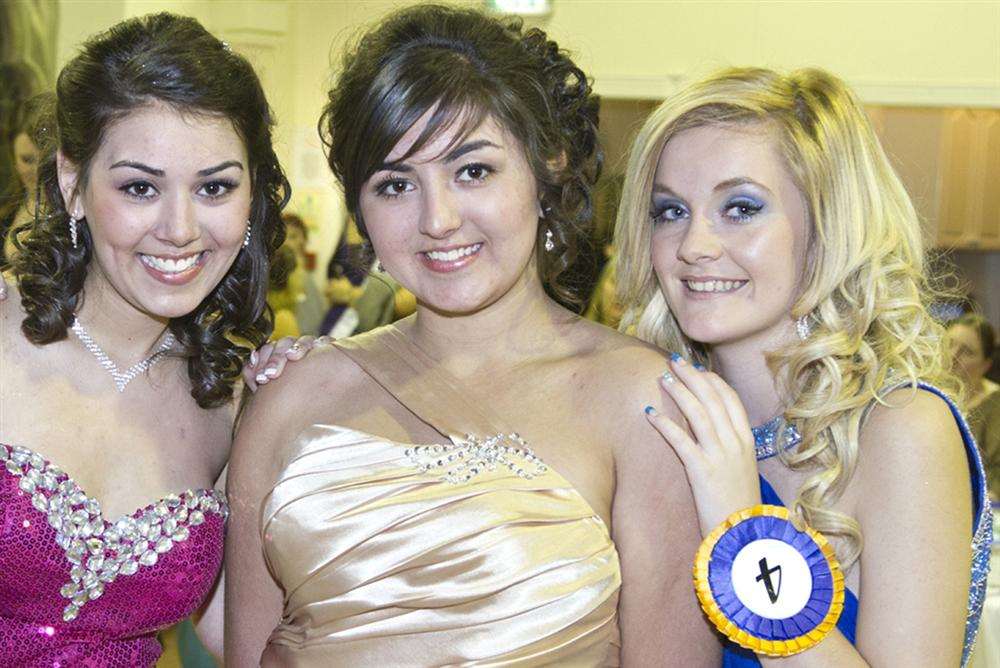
802, 327
72, 231
246, 235
550, 245
378, 267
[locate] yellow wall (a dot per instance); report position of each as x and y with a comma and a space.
917, 53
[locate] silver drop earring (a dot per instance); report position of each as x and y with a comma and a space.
550, 245
72, 231
246, 236
378, 267
802, 327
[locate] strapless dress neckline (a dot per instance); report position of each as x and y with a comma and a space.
469, 553
76, 586
433, 458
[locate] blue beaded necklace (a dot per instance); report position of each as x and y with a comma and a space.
766, 437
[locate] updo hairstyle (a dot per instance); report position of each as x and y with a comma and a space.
468, 67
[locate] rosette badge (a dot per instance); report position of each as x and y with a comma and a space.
766, 585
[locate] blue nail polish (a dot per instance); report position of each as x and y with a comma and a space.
699, 366
650, 410
675, 357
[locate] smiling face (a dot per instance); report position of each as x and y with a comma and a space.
455, 225
166, 199
730, 234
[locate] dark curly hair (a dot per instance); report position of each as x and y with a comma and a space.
172, 60
470, 66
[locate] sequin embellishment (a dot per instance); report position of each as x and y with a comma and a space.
466, 459
99, 551
766, 437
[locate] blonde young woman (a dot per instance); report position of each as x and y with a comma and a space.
763, 233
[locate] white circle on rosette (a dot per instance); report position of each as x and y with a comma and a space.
792, 585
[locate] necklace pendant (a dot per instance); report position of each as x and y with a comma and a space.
121, 378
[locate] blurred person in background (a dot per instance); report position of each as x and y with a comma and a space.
300, 293
346, 274
973, 347
362, 296
603, 306
283, 292
23, 135
17, 84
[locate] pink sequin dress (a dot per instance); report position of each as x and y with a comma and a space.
79, 590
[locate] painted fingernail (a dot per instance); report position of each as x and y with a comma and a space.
261, 379
667, 377
649, 410
676, 358
699, 366
270, 372
253, 358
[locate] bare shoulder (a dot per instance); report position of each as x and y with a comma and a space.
12, 314
11, 311
323, 377
912, 437
621, 378
316, 389
907, 419
626, 369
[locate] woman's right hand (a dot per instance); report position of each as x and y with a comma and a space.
267, 362
718, 456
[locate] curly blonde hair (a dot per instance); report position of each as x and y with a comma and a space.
865, 286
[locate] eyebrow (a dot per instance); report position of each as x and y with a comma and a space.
159, 172
452, 156
468, 148
723, 185
739, 181
138, 165
221, 166
660, 188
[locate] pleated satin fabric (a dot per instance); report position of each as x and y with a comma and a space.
386, 563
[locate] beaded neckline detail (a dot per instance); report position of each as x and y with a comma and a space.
100, 551
122, 378
460, 462
766, 437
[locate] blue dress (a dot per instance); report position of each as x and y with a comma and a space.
735, 656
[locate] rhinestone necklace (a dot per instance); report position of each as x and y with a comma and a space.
766, 437
122, 378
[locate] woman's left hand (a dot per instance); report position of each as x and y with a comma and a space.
719, 459
267, 362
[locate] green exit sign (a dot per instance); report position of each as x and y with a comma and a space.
522, 7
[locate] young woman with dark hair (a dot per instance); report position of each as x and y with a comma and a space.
160, 210
387, 506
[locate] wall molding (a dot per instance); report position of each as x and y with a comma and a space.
908, 93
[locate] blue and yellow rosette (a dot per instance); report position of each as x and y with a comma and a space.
766, 585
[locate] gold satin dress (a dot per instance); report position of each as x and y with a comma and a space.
468, 553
